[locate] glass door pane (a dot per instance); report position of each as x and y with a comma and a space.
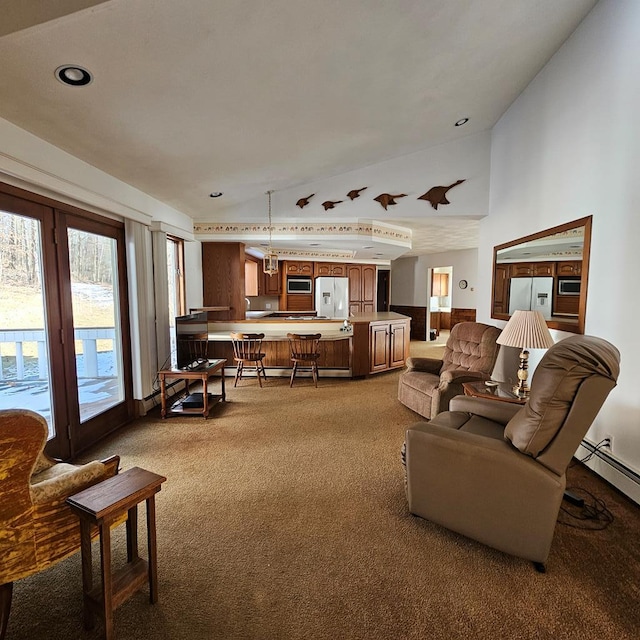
24, 344
173, 296
96, 320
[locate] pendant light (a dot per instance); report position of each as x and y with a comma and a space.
270, 260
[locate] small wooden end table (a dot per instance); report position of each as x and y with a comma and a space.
501, 392
102, 505
202, 372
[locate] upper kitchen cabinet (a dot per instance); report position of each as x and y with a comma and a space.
440, 284
526, 269
569, 268
331, 269
298, 267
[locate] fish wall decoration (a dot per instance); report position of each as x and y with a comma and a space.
330, 204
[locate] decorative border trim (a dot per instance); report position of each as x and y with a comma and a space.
399, 235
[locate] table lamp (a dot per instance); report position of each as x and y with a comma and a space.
525, 330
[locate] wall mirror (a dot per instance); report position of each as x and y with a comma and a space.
546, 271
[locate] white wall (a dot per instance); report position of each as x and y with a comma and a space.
410, 286
408, 283
31, 163
413, 174
193, 274
570, 147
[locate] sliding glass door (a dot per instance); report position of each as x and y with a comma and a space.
96, 322
64, 335
25, 348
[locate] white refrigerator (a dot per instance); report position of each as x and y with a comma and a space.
531, 294
332, 297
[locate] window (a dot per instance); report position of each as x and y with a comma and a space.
64, 328
175, 280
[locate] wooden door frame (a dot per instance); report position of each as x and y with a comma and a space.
71, 437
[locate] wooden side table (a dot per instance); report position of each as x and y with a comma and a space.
501, 392
102, 505
202, 372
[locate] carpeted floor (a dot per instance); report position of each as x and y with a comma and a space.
284, 516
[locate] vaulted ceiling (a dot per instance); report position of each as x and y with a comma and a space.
242, 96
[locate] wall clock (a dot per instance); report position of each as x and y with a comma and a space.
463, 284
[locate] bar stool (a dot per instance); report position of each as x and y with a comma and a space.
247, 352
305, 351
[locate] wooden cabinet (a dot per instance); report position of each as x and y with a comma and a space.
354, 273
566, 305
295, 301
544, 268
259, 283
440, 284
569, 268
299, 302
388, 345
362, 288
271, 284
223, 278
440, 320
330, 269
501, 289
524, 269
298, 267
368, 287
251, 277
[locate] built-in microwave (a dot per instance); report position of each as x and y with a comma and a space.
569, 286
297, 284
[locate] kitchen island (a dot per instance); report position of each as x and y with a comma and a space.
375, 342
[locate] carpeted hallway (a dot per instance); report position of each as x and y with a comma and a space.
284, 516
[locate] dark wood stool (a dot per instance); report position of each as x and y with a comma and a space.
102, 505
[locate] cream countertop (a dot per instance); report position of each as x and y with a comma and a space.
277, 328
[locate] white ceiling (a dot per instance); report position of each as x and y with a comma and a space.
242, 96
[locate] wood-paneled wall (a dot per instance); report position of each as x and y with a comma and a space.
462, 315
418, 317
223, 278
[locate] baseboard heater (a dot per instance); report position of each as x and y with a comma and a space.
612, 462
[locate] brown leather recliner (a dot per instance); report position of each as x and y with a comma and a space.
428, 385
37, 528
495, 472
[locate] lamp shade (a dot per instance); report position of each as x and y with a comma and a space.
526, 330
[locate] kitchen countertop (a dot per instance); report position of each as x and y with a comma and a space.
276, 328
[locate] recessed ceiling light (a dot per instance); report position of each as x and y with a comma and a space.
367, 247
215, 194
462, 121
378, 254
314, 244
73, 75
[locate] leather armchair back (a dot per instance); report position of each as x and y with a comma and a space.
568, 388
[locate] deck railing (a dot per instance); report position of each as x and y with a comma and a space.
89, 338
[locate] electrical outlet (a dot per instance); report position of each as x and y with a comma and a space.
608, 442
267, 305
